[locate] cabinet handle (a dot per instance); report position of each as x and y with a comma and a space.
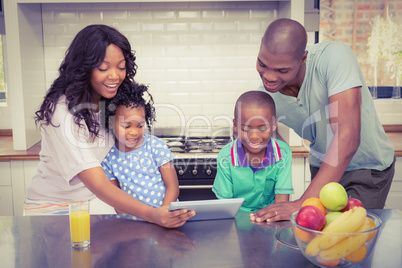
195, 186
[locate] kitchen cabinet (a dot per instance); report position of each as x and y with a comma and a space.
15, 176
298, 177
6, 204
394, 199
26, 74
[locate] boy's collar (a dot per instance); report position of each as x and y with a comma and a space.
239, 158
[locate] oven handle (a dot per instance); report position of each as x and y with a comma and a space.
195, 186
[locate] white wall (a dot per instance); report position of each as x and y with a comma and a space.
196, 57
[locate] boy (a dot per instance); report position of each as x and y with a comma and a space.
254, 166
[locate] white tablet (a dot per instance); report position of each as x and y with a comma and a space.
210, 209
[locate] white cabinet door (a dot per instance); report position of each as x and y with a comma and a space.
5, 174
22, 173
297, 177
394, 199
6, 201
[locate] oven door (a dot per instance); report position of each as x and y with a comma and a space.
196, 178
196, 190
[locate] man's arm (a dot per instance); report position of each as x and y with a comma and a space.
345, 123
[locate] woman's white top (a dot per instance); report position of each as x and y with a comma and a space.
66, 150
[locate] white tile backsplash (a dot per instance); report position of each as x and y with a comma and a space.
164, 15
213, 14
192, 87
189, 14
200, 26
201, 74
152, 27
197, 57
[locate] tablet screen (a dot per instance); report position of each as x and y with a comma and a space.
210, 209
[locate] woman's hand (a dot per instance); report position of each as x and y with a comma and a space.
276, 212
170, 219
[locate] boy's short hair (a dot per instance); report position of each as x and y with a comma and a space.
255, 98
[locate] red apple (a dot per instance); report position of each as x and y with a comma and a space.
352, 202
311, 217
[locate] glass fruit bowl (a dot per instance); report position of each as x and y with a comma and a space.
343, 253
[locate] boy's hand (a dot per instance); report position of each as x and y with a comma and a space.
276, 212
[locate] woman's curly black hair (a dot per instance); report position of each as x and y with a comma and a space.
131, 95
86, 52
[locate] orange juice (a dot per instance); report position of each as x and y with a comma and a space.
79, 226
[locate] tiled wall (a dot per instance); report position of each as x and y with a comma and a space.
197, 57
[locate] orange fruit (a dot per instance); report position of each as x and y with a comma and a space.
303, 235
315, 201
372, 225
358, 255
328, 263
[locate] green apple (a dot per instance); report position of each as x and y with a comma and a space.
333, 196
330, 216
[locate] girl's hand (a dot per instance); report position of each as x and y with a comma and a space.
170, 219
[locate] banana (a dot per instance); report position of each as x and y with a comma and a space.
312, 248
349, 225
333, 225
348, 245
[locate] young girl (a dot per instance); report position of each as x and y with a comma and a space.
141, 164
98, 61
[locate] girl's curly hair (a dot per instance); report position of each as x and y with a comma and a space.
86, 52
131, 95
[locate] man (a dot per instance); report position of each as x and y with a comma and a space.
321, 94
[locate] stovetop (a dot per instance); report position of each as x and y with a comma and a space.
196, 145
205, 145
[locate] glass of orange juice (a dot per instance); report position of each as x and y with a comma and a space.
80, 224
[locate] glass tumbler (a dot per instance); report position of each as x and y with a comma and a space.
80, 224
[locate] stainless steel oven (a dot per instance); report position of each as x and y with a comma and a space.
196, 177
195, 163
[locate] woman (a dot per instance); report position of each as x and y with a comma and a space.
98, 61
